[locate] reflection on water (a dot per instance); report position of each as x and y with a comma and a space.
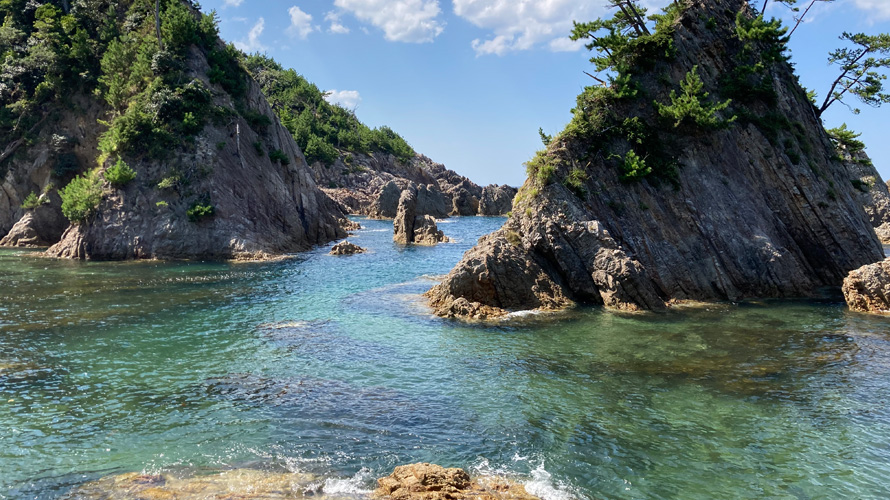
333, 367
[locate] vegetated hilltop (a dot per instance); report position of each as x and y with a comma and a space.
365, 169
159, 142
702, 172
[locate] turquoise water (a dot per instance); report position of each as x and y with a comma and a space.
332, 365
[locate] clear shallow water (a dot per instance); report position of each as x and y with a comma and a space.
332, 365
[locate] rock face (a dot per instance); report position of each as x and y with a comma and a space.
711, 213
346, 248
867, 289
872, 191
412, 225
432, 482
40, 227
496, 200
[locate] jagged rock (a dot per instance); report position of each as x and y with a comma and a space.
496, 200
387, 202
346, 248
431, 482
411, 226
747, 215
39, 227
464, 202
867, 289
243, 484
871, 190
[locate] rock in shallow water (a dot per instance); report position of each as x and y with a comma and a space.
867, 289
431, 482
346, 248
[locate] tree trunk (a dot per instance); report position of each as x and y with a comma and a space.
158, 23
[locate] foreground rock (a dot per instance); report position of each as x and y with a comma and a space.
432, 482
242, 484
40, 227
867, 289
411, 226
631, 211
347, 248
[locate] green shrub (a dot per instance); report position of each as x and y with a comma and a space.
842, 136
258, 147
81, 197
162, 204
168, 182
634, 167
577, 181
200, 210
689, 106
32, 201
862, 185
277, 155
317, 150
540, 168
120, 174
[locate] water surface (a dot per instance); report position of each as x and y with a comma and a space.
332, 365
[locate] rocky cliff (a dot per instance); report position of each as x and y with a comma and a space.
660, 190
871, 189
173, 151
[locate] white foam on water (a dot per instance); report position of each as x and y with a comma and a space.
539, 482
353, 486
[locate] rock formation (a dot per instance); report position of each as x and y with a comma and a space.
40, 227
871, 190
634, 210
867, 289
346, 248
432, 482
205, 186
412, 225
496, 200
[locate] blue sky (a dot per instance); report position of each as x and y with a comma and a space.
468, 82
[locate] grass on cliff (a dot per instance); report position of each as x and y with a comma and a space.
81, 197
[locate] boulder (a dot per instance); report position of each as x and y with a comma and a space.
412, 227
867, 289
39, 227
496, 200
431, 482
347, 248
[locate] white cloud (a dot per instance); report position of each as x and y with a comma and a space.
524, 24
879, 8
349, 99
337, 27
253, 44
300, 22
232, 3
413, 21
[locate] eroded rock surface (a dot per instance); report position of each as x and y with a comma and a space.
412, 225
346, 248
39, 227
432, 482
497, 200
744, 214
872, 191
867, 289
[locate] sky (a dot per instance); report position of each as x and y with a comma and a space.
469, 82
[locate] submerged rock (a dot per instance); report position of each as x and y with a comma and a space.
867, 289
432, 482
241, 484
632, 212
411, 225
346, 248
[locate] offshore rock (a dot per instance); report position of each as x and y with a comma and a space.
749, 211
346, 248
242, 484
867, 289
497, 200
40, 227
431, 482
412, 225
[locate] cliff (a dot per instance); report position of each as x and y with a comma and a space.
162, 149
660, 190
